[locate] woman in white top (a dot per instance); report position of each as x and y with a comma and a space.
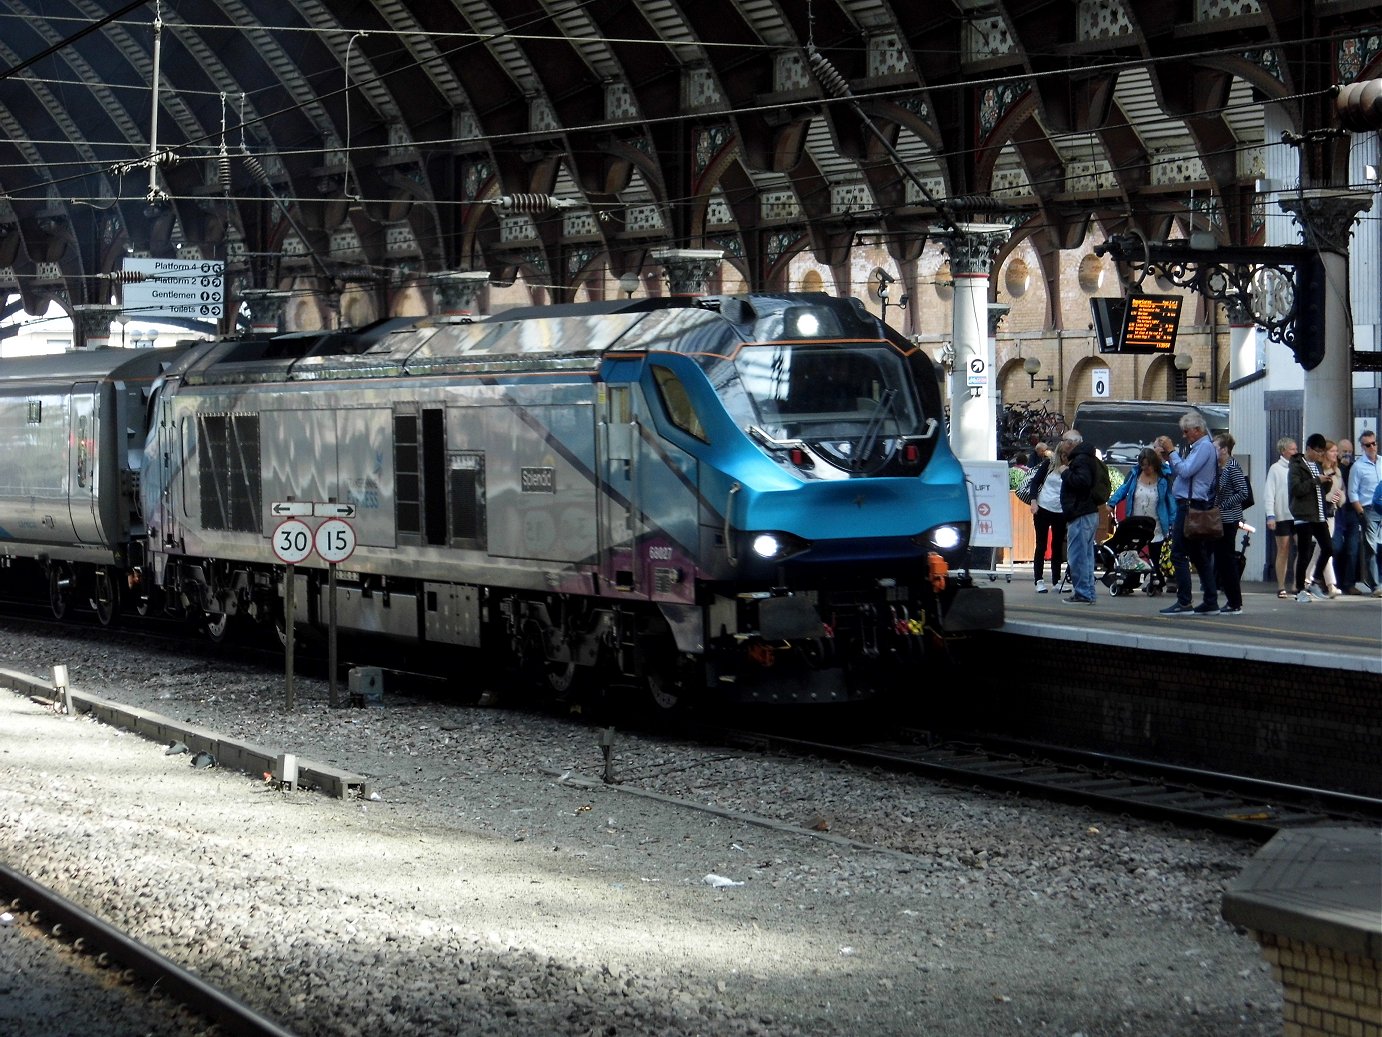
1048, 519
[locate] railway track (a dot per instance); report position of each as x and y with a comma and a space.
1234, 805
106, 946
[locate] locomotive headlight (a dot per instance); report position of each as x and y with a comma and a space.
807, 325
765, 545
947, 538
772, 546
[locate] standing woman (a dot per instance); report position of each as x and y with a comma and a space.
1147, 490
1307, 487
1333, 504
1047, 518
1233, 491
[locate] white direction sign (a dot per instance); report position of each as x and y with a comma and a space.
193, 288
1101, 383
332, 510
978, 373
285, 509
292, 541
335, 540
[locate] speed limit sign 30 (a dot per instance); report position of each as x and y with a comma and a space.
292, 541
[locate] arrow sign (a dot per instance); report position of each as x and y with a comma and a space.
333, 510
281, 509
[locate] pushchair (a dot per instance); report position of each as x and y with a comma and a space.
1125, 561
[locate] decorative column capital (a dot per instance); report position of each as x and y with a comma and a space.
997, 311
971, 246
266, 306
457, 290
689, 270
1326, 217
94, 320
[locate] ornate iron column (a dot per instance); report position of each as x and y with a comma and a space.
973, 396
93, 321
689, 270
1326, 219
266, 309
457, 291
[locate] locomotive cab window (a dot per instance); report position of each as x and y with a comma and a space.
676, 403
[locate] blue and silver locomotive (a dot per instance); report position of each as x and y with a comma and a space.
751, 495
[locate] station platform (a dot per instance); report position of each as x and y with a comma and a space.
1286, 691
1343, 633
1313, 898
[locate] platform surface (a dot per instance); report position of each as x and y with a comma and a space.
1338, 633
1316, 885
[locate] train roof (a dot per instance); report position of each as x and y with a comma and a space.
85, 365
567, 338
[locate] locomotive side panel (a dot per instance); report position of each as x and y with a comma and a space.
539, 455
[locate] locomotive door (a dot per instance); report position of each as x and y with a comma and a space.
618, 444
83, 460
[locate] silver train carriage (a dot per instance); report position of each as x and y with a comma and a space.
72, 435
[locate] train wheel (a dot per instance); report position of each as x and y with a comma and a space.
61, 582
105, 596
216, 625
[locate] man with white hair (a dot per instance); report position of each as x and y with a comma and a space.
1195, 480
1081, 513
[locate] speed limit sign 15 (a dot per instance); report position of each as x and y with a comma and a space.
335, 540
292, 541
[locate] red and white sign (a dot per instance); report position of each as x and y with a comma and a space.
335, 540
292, 541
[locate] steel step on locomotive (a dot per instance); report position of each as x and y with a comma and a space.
751, 495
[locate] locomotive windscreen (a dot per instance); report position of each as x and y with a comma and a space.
812, 391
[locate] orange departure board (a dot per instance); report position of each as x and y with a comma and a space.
1151, 323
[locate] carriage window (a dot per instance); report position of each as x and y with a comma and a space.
676, 402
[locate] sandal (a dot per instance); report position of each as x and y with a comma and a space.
1282, 595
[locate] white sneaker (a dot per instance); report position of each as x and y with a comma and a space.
1316, 591
1304, 596
1041, 586
1362, 588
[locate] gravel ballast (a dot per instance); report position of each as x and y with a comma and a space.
491, 890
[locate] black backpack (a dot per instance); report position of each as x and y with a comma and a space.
1101, 489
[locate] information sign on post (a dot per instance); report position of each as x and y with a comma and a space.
335, 540
292, 541
192, 288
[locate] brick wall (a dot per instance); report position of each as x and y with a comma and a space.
1326, 992
1268, 720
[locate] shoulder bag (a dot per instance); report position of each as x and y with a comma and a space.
1205, 523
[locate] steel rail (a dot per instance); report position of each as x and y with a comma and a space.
99, 937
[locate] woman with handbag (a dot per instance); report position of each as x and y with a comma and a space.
1233, 491
1047, 519
1333, 505
1306, 486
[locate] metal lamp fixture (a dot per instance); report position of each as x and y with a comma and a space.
1032, 365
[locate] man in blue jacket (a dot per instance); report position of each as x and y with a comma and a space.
1194, 478
1081, 512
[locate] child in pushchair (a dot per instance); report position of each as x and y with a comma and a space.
1126, 560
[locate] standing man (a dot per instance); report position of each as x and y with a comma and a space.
1346, 527
1276, 499
1362, 487
1081, 513
1193, 486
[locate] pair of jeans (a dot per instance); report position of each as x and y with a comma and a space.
1226, 573
1372, 533
1305, 532
1184, 554
1079, 553
1347, 534
1048, 524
